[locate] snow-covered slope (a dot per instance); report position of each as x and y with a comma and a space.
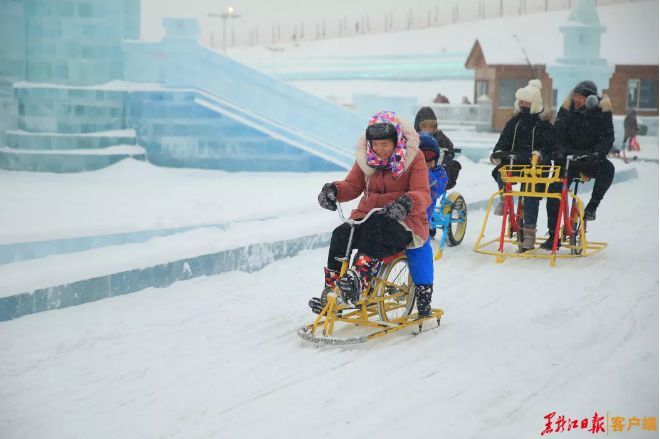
219, 357
627, 25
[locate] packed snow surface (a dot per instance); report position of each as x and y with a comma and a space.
219, 356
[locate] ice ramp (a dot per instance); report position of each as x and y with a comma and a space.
332, 153
178, 61
193, 128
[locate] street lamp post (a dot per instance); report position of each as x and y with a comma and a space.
229, 13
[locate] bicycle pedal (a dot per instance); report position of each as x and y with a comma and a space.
392, 289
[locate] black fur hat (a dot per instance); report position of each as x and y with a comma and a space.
586, 89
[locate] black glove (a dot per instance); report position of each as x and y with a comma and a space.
328, 197
592, 159
558, 156
399, 208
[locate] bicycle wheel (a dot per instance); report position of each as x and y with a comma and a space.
396, 286
458, 220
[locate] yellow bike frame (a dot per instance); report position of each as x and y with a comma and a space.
534, 181
366, 314
374, 302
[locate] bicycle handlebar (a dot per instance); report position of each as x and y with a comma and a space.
508, 155
575, 158
573, 155
356, 222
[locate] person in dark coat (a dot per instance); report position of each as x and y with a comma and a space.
584, 126
630, 128
528, 132
426, 120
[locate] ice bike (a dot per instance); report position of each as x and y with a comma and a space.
535, 181
385, 307
449, 216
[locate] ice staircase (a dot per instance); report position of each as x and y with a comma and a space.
68, 129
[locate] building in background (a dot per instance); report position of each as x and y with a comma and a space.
627, 70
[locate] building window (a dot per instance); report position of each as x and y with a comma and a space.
508, 89
480, 89
643, 94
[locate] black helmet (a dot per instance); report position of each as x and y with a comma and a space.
382, 131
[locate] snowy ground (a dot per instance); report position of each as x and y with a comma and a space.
133, 196
219, 357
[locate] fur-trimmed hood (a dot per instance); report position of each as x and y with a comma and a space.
412, 148
604, 103
424, 113
545, 114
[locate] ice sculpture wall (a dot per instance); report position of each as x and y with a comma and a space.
249, 258
77, 42
67, 106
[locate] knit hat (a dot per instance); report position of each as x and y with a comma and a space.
424, 113
586, 89
429, 146
530, 93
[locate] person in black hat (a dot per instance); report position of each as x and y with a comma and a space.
584, 126
426, 120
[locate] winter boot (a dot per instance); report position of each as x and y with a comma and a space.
590, 210
529, 238
318, 303
547, 245
423, 294
357, 279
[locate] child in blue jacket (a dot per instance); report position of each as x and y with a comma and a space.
420, 260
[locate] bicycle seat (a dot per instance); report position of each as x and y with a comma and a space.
388, 259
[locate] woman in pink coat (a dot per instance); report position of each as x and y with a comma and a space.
389, 172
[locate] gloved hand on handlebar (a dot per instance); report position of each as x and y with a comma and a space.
578, 155
328, 196
591, 158
539, 157
399, 208
597, 157
494, 160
